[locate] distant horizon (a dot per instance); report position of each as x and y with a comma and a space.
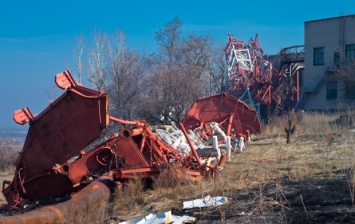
13, 134
20, 129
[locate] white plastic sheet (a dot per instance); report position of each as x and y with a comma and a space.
208, 201
161, 218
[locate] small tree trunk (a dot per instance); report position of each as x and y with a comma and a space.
288, 132
289, 129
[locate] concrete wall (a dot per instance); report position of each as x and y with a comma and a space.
324, 33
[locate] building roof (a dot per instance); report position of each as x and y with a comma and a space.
330, 18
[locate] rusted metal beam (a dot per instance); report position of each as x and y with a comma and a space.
93, 197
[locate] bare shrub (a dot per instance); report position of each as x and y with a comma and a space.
346, 119
290, 127
8, 155
351, 184
312, 124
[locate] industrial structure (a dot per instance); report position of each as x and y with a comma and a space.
310, 77
271, 84
329, 48
69, 145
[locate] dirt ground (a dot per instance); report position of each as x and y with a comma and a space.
309, 201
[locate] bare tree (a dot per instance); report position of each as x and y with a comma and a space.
78, 54
345, 72
52, 92
290, 126
169, 40
97, 73
177, 73
218, 71
126, 78
160, 87
8, 154
115, 69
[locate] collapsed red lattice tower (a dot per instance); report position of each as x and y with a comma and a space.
273, 81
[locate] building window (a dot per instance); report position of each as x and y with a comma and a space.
349, 52
349, 90
332, 90
337, 59
318, 56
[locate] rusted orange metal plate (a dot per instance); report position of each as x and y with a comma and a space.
57, 134
218, 108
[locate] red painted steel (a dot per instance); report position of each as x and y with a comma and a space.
56, 159
273, 81
191, 145
234, 116
54, 136
23, 116
65, 80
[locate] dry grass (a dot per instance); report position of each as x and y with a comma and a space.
319, 149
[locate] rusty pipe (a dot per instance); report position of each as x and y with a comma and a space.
230, 122
137, 123
142, 127
222, 160
125, 132
93, 198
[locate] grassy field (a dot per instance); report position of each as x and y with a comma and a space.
310, 180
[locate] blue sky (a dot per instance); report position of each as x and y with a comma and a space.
37, 38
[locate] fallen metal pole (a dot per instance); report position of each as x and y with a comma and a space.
93, 198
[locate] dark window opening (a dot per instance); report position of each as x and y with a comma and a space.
349, 90
332, 90
318, 56
349, 52
337, 59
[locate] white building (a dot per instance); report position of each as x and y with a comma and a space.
328, 44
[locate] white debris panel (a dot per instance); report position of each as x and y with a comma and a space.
161, 218
208, 201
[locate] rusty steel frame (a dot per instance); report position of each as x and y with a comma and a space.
56, 159
232, 115
272, 83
